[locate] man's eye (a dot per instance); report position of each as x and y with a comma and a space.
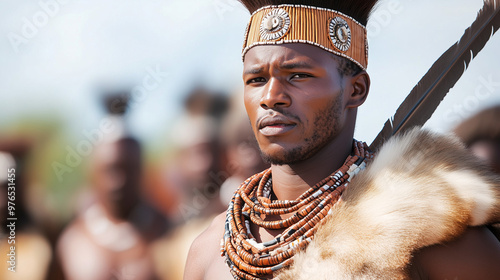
301, 76
256, 80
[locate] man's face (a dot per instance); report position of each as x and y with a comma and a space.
117, 176
294, 97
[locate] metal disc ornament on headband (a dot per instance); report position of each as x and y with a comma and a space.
275, 25
340, 33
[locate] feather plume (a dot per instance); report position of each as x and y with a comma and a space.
424, 98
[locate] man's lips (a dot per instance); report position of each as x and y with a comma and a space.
275, 125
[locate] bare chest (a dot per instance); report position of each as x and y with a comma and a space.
218, 269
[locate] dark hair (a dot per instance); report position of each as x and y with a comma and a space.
358, 9
346, 67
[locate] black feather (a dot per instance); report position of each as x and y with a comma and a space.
424, 98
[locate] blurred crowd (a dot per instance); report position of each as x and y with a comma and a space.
118, 212
125, 214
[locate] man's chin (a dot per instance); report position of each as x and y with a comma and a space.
275, 161
284, 158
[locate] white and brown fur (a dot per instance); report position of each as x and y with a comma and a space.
421, 189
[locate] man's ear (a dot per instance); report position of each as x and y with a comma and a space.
360, 84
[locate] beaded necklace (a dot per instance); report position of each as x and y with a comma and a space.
248, 259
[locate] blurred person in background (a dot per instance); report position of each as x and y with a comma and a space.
195, 170
32, 254
194, 173
241, 148
110, 238
481, 134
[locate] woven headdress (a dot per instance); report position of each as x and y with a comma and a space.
335, 26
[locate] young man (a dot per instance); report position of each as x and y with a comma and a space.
111, 237
304, 79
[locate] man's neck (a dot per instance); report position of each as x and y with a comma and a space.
291, 180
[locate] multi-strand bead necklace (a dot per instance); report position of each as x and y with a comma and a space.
248, 259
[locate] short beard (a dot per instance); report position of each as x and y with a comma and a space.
327, 127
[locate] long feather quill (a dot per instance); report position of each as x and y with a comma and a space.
424, 98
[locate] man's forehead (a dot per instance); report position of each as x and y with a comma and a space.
286, 55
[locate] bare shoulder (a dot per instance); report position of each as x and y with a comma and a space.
204, 249
475, 255
72, 234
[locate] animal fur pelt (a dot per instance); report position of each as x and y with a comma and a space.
421, 189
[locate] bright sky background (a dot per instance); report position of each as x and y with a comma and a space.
68, 50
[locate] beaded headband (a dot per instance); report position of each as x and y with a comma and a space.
328, 29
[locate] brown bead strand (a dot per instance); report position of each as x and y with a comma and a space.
248, 259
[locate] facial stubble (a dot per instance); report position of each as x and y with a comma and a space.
326, 128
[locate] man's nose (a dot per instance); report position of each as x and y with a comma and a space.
275, 95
